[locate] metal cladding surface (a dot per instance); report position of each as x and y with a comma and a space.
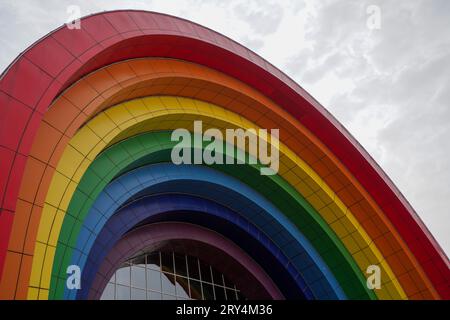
82, 110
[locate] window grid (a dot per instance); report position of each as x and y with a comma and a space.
123, 286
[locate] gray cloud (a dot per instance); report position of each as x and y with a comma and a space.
399, 107
254, 44
263, 17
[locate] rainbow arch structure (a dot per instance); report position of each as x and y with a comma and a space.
85, 122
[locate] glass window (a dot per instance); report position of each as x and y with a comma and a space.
122, 292
220, 293
167, 261
138, 261
138, 277
169, 297
108, 293
228, 283
205, 272
180, 265
153, 261
185, 277
196, 289
193, 268
231, 295
154, 295
153, 280
138, 294
182, 287
123, 276
208, 291
217, 277
168, 283
113, 278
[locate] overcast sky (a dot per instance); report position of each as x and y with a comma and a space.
390, 87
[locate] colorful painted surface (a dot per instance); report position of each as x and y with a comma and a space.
82, 110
